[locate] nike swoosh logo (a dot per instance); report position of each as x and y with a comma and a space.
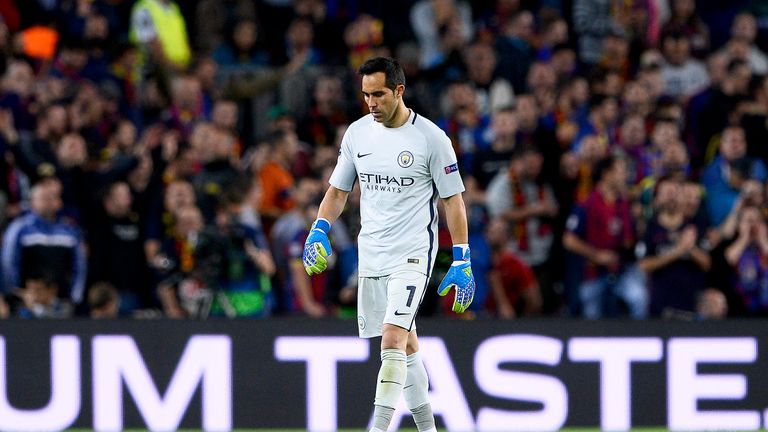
404, 313
390, 382
363, 155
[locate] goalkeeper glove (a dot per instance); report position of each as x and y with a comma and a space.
459, 276
317, 248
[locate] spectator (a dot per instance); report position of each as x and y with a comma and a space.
607, 245
603, 113
441, 27
117, 249
719, 177
672, 254
182, 291
103, 301
502, 135
299, 292
634, 144
593, 20
40, 299
515, 291
748, 257
29, 245
276, 177
742, 41
161, 31
532, 131
683, 75
515, 48
236, 262
464, 123
327, 112
711, 305
520, 198
685, 20
712, 110
218, 172
214, 17
187, 105
493, 92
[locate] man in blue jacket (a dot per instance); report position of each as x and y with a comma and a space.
38, 240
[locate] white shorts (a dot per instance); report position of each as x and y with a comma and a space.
392, 299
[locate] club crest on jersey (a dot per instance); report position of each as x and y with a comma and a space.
405, 159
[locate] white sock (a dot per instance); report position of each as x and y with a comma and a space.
389, 385
416, 392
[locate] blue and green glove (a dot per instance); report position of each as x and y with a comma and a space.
459, 276
317, 248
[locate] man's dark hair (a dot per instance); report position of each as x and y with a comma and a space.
596, 100
602, 167
392, 70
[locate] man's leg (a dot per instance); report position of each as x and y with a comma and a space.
392, 375
416, 388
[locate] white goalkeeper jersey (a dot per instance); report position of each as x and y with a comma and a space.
401, 172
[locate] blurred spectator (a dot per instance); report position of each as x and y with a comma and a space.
240, 48
182, 291
39, 240
40, 299
464, 123
633, 142
527, 203
683, 75
593, 20
276, 177
187, 104
754, 118
441, 27
603, 113
103, 301
493, 92
615, 56
299, 42
515, 291
502, 135
711, 305
532, 131
218, 172
712, 110
671, 254
364, 38
117, 249
299, 292
685, 20
721, 177
742, 43
161, 31
748, 255
607, 244
327, 112
214, 19
239, 263
515, 48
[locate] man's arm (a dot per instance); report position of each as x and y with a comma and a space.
333, 204
459, 276
456, 216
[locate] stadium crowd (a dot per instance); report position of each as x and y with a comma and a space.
166, 157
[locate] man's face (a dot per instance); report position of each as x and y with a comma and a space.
733, 144
382, 101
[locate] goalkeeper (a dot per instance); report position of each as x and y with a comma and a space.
402, 163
